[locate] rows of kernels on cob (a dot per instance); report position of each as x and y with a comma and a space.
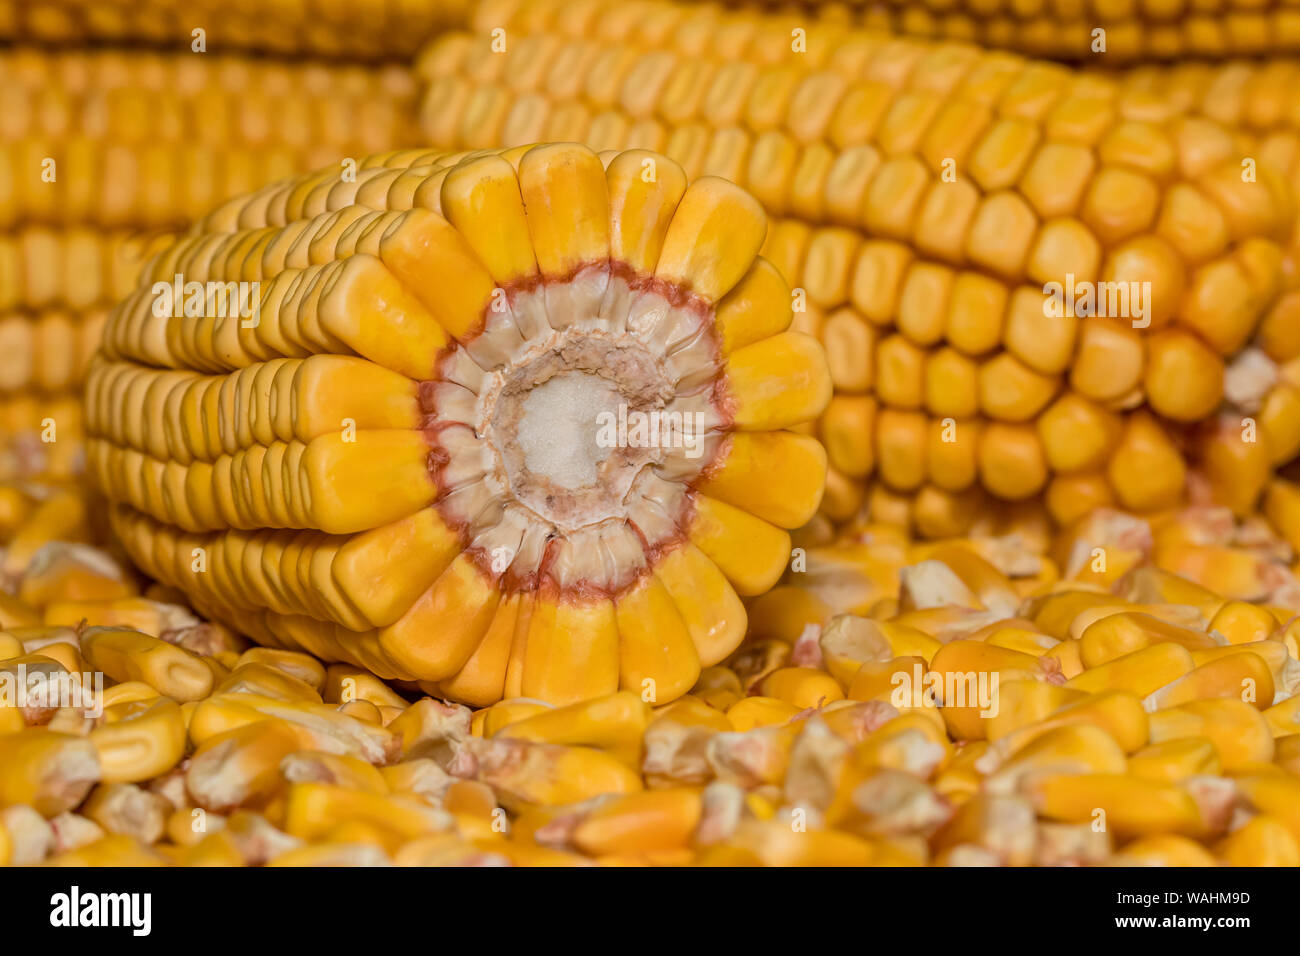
98, 148
56, 286
1263, 385
129, 139
925, 196
336, 29
1084, 31
1100, 709
506, 423
74, 268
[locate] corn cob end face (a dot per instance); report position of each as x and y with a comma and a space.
571, 389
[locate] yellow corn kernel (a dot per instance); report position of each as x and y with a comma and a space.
508, 712
304, 667
313, 809
139, 739
111, 850
1243, 623
1164, 850
1238, 731
1002, 824
1140, 672
1244, 677
718, 686
127, 655
526, 772
1260, 841
1073, 748
1124, 805
910, 742
879, 681
755, 712
1174, 760
50, 772
640, 822
1115, 635
615, 724
774, 843
1119, 713
801, 687
1277, 796
267, 681
1025, 702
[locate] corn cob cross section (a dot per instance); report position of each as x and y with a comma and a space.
432, 454
924, 197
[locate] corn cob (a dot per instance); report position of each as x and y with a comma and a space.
59, 284
356, 29
157, 140
48, 352
1090, 30
928, 294
1261, 384
383, 530
75, 268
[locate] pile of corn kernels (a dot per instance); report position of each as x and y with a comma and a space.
998, 700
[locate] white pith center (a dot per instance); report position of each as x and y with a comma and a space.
559, 434
548, 422
541, 466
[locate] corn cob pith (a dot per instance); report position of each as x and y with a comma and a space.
424, 458
924, 196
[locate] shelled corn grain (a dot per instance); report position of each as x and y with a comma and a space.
126, 139
1114, 31
352, 29
924, 196
1133, 717
408, 462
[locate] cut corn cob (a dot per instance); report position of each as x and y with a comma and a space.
419, 458
925, 196
353, 29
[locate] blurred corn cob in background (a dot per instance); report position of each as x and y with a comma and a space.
1099, 31
338, 29
102, 152
138, 139
56, 286
923, 196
